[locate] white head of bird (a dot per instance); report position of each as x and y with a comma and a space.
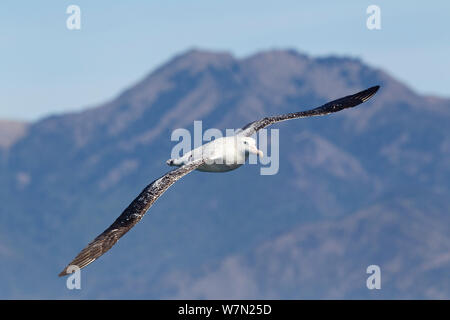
248, 145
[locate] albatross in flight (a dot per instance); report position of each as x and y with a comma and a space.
219, 155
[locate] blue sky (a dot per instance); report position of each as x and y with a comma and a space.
46, 68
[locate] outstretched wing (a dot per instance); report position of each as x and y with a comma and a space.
330, 107
130, 216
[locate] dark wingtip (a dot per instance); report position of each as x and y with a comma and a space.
67, 270
374, 88
63, 273
368, 93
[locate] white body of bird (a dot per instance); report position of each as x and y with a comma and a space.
222, 154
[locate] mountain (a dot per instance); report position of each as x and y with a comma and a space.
360, 187
324, 260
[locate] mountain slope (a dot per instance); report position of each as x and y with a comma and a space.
71, 175
323, 260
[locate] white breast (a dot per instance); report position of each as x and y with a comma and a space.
221, 155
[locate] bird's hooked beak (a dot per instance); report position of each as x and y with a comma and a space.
255, 150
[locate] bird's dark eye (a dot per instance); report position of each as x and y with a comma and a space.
245, 142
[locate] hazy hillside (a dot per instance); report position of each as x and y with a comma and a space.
365, 186
329, 260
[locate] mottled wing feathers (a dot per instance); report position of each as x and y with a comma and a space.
330, 107
130, 216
